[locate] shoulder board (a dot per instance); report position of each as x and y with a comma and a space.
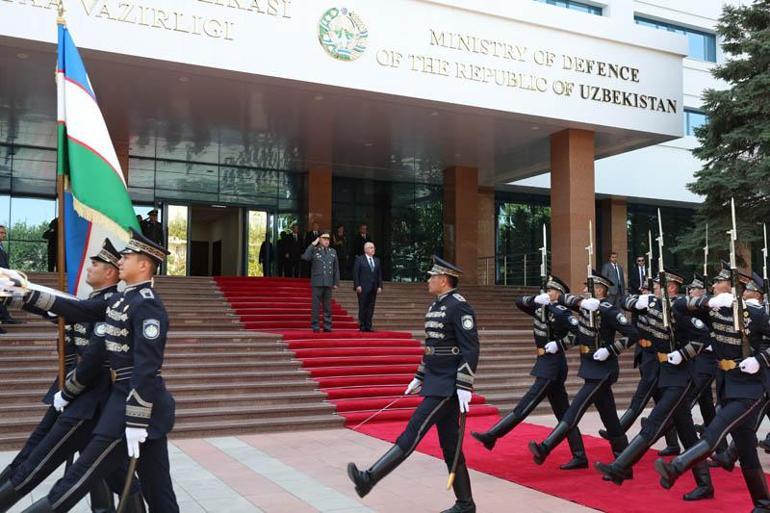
621, 319
458, 297
697, 323
562, 307
607, 304
108, 295
147, 293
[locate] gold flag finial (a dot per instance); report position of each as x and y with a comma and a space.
60, 17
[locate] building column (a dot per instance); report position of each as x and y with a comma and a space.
485, 241
319, 197
461, 186
572, 204
615, 231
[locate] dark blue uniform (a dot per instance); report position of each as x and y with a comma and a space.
550, 372
134, 326
598, 375
60, 435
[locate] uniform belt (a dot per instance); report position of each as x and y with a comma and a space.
540, 351
584, 349
643, 342
662, 357
442, 351
727, 365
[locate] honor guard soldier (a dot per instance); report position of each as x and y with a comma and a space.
742, 381
324, 277
598, 322
677, 339
139, 411
445, 381
64, 431
553, 323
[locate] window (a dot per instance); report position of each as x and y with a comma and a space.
575, 6
701, 45
692, 120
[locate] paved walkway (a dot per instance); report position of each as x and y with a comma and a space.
305, 472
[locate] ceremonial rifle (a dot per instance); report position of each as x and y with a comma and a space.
650, 281
706, 257
590, 278
738, 322
544, 281
666, 303
766, 284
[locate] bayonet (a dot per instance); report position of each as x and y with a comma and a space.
738, 321
665, 299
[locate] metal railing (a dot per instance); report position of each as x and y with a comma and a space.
511, 269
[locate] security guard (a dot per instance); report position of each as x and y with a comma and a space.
598, 322
676, 346
553, 332
324, 277
139, 410
742, 384
63, 431
445, 381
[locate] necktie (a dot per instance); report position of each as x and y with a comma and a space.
641, 275
617, 273
371, 263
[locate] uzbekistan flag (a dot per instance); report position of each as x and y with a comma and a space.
96, 202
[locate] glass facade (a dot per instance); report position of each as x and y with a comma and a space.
692, 120
405, 221
701, 45
519, 233
676, 221
575, 6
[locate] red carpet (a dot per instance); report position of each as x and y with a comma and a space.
359, 372
512, 461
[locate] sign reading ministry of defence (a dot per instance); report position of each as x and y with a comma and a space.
412, 48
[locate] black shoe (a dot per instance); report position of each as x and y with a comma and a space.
603, 433
11, 320
462, 489
704, 488
41, 506
327, 330
8, 496
765, 444
541, 451
577, 462
488, 440
366, 479
316, 330
670, 450
700, 428
621, 469
757, 485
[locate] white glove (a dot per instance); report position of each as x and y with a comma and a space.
543, 299
465, 400
552, 347
643, 302
725, 299
675, 358
750, 365
59, 403
414, 386
134, 437
591, 304
601, 354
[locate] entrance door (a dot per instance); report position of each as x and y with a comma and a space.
260, 243
215, 240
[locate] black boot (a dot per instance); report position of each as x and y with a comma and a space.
704, 489
5, 475
579, 459
41, 506
541, 451
672, 444
670, 472
8, 496
102, 500
499, 430
757, 485
462, 489
765, 444
620, 469
134, 504
727, 458
366, 479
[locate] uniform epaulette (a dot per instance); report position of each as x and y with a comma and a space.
562, 307
607, 304
147, 293
458, 297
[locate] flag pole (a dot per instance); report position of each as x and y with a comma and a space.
60, 265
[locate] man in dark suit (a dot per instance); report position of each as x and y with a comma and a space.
294, 249
5, 317
637, 277
361, 238
367, 281
614, 271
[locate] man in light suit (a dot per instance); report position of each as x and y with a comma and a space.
367, 281
614, 271
637, 276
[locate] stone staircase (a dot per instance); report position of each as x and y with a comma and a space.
225, 380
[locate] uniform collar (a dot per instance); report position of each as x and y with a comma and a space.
753, 301
96, 292
442, 296
137, 285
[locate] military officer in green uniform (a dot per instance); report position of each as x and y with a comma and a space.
324, 277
